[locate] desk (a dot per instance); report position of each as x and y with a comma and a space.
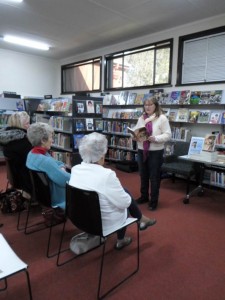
203, 165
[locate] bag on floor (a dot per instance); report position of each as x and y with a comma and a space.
84, 242
11, 201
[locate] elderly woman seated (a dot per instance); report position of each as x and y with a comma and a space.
38, 159
115, 202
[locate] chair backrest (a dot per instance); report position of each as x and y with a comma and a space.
40, 188
181, 148
83, 209
13, 175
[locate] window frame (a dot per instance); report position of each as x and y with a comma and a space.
189, 37
121, 54
80, 63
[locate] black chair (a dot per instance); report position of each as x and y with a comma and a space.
83, 210
11, 265
41, 195
175, 166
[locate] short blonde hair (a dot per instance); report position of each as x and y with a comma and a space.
18, 119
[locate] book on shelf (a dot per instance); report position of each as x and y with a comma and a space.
157, 93
147, 96
222, 118
98, 124
90, 106
172, 115
131, 98
215, 117
164, 98
138, 99
217, 97
76, 139
205, 97
98, 107
89, 124
196, 146
80, 107
195, 97
209, 142
107, 99
123, 97
175, 97
166, 111
182, 115
140, 134
193, 116
185, 97
204, 116
168, 149
80, 124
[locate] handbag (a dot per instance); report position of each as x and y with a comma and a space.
83, 242
12, 201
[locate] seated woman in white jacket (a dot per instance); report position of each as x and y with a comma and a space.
115, 202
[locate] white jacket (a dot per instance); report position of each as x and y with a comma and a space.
114, 201
160, 130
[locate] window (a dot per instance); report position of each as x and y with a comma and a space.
84, 76
146, 66
201, 57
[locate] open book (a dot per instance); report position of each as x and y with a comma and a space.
140, 134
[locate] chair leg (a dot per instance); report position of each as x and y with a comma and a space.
28, 283
123, 280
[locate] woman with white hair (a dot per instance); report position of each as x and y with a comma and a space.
16, 146
115, 202
41, 136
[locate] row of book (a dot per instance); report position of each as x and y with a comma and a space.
174, 97
64, 124
88, 107
88, 124
215, 177
116, 126
121, 142
195, 116
180, 133
61, 140
121, 155
122, 113
65, 157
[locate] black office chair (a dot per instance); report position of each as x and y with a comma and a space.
83, 210
11, 265
41, 194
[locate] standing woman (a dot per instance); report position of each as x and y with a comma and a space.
150, 152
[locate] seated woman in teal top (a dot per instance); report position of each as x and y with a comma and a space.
41, 136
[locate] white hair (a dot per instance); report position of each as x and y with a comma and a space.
93, 147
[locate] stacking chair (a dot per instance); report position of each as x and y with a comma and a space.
41, 194
11, 264
83, 210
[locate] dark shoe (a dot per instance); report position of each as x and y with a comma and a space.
142, 200
145, 225
154, 207
123, 243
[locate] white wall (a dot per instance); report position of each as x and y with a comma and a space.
29, 75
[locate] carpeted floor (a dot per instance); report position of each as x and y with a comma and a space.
182, 257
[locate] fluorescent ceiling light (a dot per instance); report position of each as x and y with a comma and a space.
25, 42
18, 1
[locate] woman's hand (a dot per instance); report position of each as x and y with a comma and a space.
152, 139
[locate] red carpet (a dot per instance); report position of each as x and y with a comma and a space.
182, 257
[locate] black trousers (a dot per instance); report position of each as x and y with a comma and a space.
150, 170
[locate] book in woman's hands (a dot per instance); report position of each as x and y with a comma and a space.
140, 134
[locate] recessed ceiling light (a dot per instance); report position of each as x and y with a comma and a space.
25, 42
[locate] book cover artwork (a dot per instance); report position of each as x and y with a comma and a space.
80, 124
193, 116
76, 139
140, 134
89, 124
98, 108
175, 97
131, 98
90, 106
185, 97
204, 116
215, 117
209, 143
196, 145
80, 107
182, 115
222, 119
